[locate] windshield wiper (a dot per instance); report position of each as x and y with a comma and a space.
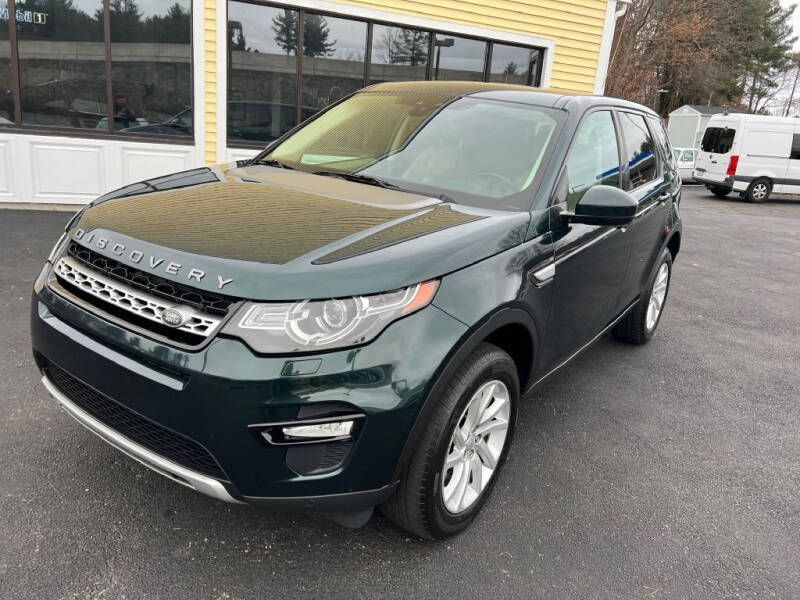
271, 162
367, 179
370, 180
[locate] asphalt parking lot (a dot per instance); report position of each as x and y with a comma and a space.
668, 471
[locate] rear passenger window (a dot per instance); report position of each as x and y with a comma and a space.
593, 158
639, 149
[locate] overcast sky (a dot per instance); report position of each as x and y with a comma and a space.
795, 21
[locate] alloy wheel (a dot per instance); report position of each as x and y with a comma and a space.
476, 446
657, 297
759, 191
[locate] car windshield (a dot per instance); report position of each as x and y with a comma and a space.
472, 151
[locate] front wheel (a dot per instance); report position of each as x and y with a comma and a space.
462, 449
640, 323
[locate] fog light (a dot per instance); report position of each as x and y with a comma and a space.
336, 429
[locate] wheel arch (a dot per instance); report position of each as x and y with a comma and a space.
674, 244
512, 330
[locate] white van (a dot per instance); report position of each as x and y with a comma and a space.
754, 155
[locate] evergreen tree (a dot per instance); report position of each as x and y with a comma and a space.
126, 21
413, 47
315, 37
284, 25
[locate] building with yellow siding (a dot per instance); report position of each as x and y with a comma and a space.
98, 94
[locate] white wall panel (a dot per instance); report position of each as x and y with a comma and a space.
51, 169
67, 172
5, 170
144, 164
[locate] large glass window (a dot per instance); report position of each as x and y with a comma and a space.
132, 73
151, 54
262, 73
62, 63
6, 85
280, 56
639, 149
593, 158
398, 54
333, 59
514, 64
457, 58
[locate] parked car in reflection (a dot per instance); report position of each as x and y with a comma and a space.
83, 103
685, 159
247, 121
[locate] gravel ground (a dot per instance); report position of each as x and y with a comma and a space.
668, 471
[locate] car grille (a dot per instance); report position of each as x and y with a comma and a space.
215, 304
164, 442
139, 299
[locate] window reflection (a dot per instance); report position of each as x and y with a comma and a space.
6, 93
513, 64
62, 63
457, 58
639, 149
398, 54
151, 54
333, 59
262, 78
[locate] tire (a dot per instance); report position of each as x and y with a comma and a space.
419, 504
637, 327
759, 190
719, 192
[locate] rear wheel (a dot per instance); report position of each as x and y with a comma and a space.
718, 191
463, 447
759, 190
640, 323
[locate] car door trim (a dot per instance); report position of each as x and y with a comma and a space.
605, 330
570, 253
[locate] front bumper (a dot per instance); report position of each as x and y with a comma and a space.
213, 396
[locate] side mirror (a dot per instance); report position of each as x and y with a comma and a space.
604, 205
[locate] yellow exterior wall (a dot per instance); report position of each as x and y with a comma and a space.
210, 76
576, 26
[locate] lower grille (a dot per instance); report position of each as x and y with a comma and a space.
157, 438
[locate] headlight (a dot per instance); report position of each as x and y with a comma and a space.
62, 241
309, 325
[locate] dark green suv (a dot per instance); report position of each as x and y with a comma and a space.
352, 318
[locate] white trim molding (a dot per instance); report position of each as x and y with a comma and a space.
198, 78
222, 80
401, 19
613, 12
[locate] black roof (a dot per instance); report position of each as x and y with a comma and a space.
549, 97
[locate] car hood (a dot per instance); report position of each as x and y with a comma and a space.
266, 233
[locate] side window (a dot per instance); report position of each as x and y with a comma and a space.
795, 147
593, 158
667, 153
639, 150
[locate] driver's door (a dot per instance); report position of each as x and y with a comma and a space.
591, 261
